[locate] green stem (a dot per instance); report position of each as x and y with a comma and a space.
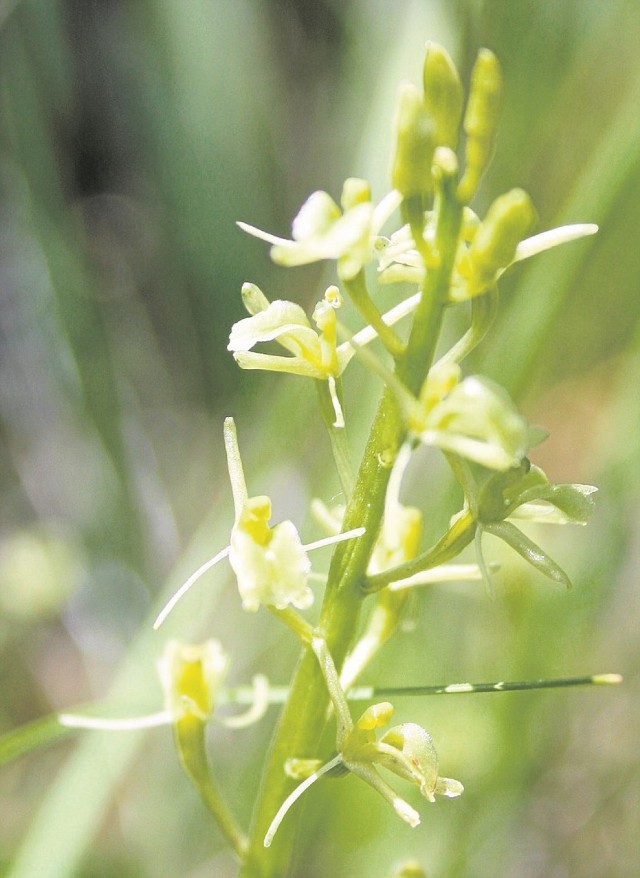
304, 715
357, 290
190, 740
448, 547
298, 624
337, 437
483, 313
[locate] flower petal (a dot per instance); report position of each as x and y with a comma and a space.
272, 363
258, 233
278, 319
315, 217
552, 238
275, 574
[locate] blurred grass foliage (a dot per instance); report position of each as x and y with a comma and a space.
133, 133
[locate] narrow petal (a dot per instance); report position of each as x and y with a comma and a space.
558, 504
348, 349
552, 238
184, 588
485, 453
403, 809
385, 207
295, 795
338, 538
294, 253
258, 233
528, 550
96, 723
445, 573
272, 363
482, 564
257, 709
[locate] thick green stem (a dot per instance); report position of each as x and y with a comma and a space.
303, 718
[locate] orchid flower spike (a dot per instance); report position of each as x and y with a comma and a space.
191, 676
321, 230
271, 564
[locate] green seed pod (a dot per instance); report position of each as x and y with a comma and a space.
481, 120
411, 172
508, 220
442, 95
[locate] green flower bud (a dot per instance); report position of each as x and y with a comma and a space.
411, 172
494, 246
253, 299
481, 120
442, 95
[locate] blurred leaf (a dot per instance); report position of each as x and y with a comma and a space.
38, 733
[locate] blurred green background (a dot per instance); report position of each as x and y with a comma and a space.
133, 133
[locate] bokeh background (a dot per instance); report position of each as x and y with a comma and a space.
133, 133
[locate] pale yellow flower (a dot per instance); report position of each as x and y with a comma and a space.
321, 230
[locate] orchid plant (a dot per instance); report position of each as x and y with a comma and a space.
451, 256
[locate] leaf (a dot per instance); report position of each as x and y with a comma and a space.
39, 733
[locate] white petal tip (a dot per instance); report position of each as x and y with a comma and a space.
407, 813
553, 238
